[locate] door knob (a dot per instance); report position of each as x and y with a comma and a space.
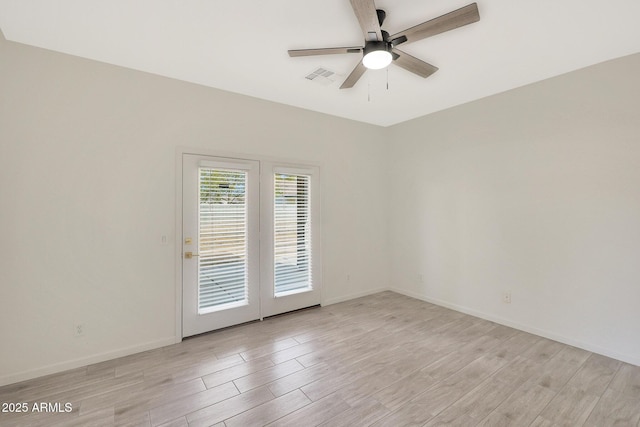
189, 255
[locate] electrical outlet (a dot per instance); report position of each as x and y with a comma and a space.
78, 329
506, 297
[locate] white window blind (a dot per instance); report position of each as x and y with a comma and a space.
222, 266
292, 233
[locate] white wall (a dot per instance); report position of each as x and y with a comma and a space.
87, 187
535, 191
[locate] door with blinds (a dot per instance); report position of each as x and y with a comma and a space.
291, 274
250, 241
220, 243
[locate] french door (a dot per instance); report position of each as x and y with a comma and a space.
221, 252
250, 241
291, 239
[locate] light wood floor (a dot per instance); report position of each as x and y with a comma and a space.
382, 360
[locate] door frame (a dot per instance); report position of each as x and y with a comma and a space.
281, 162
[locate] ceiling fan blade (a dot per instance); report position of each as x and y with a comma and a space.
458, 18
354, 76
413, 64
324, 51
365, 11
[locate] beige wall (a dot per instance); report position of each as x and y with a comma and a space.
87, 186
535, 191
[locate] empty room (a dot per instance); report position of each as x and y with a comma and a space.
337, 213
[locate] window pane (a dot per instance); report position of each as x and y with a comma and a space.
292, 234
222, 266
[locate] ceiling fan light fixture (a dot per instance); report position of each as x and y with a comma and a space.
376, 55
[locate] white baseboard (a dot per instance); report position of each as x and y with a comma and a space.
84, 361
525, 328
353, 296
97, 358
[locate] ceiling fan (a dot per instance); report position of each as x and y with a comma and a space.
380, 49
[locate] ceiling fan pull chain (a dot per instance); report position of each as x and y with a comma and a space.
387, 79
369, 92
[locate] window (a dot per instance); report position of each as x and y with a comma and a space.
292, 233
222, 267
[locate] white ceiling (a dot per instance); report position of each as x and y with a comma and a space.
241, 46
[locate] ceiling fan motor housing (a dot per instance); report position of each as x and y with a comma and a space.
375, 46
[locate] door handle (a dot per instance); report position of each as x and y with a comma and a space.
190, 255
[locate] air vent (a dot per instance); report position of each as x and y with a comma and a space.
322, 76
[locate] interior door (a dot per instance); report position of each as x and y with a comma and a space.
291, 271
220, 238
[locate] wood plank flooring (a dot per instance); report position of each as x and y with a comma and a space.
381, 360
